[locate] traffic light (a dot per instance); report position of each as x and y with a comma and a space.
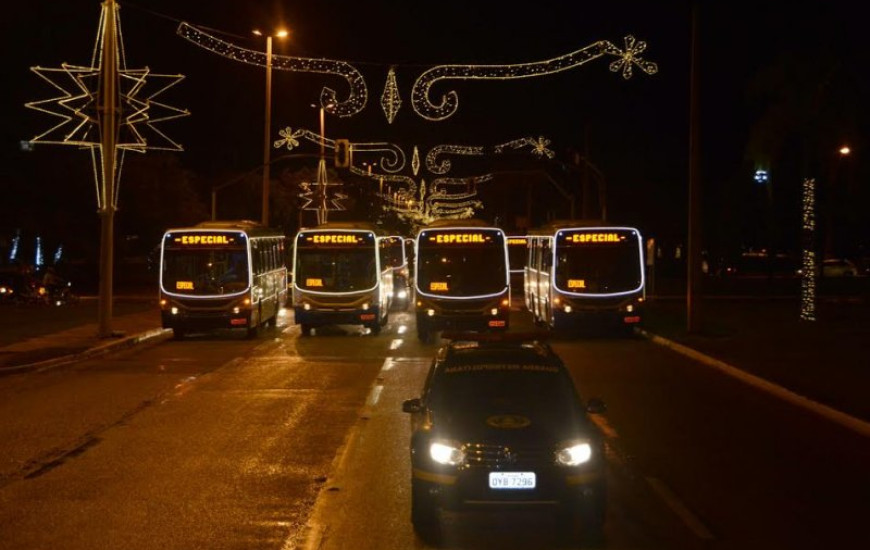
343, 153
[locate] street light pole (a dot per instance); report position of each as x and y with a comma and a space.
267, 123
267, 131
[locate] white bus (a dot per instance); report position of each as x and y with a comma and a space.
585, 274
461, 277
339, 278
393, 255
223, 274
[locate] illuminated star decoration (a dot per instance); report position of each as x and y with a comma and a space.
77, 108
450, 101
390, 100
629, 57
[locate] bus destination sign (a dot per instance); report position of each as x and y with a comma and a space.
592, 238
460, 237
203, 240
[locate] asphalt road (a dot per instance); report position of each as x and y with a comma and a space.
287, 442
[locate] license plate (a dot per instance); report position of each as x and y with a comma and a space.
512, 480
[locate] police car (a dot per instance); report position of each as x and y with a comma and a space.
500, 424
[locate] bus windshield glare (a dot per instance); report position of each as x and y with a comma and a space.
461, 267
598, 262
325, 263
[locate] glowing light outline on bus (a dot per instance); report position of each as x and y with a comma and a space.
378, 270
507, 238
401, 245
555, 238
455, 229
247, 246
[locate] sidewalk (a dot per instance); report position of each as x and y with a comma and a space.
826, 361
81, 339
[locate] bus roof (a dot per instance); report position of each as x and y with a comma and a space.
251, 228
360, 226
551, 227
470, 222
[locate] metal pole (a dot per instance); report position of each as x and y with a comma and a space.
693, 263
267, 131
108, 128
321, 173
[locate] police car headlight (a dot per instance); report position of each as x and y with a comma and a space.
447, 453
574, 455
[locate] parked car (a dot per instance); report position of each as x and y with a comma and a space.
500, 425
838, 267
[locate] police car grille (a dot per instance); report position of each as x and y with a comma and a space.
490, 456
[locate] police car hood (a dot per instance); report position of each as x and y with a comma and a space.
510, 426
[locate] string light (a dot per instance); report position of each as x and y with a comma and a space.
390, 100
628, 58
355, 102
808, 257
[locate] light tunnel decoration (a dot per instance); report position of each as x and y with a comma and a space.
426, 108
355, 102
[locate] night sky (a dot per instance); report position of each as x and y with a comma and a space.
635, 131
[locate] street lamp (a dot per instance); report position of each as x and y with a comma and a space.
281, 33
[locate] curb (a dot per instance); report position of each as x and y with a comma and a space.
857, 425
123, 343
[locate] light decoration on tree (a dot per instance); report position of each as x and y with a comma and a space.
58, 254
13, 250
39, 260
415, 161
355, 102
77, 109
808, 256
627, 59
390, 100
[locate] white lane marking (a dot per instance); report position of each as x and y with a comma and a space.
396, 343
675, 504
374, 395
858, 426
315, 529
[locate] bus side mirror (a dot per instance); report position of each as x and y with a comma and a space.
412, 405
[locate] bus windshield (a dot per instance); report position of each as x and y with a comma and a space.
598, 266
462, 270
517, 252
336, 269
205, 272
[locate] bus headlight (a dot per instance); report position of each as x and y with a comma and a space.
365, 306
430, 312
306, 306
568, 309
235, 310
403, 294
494, 311
629, 308
174, 311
